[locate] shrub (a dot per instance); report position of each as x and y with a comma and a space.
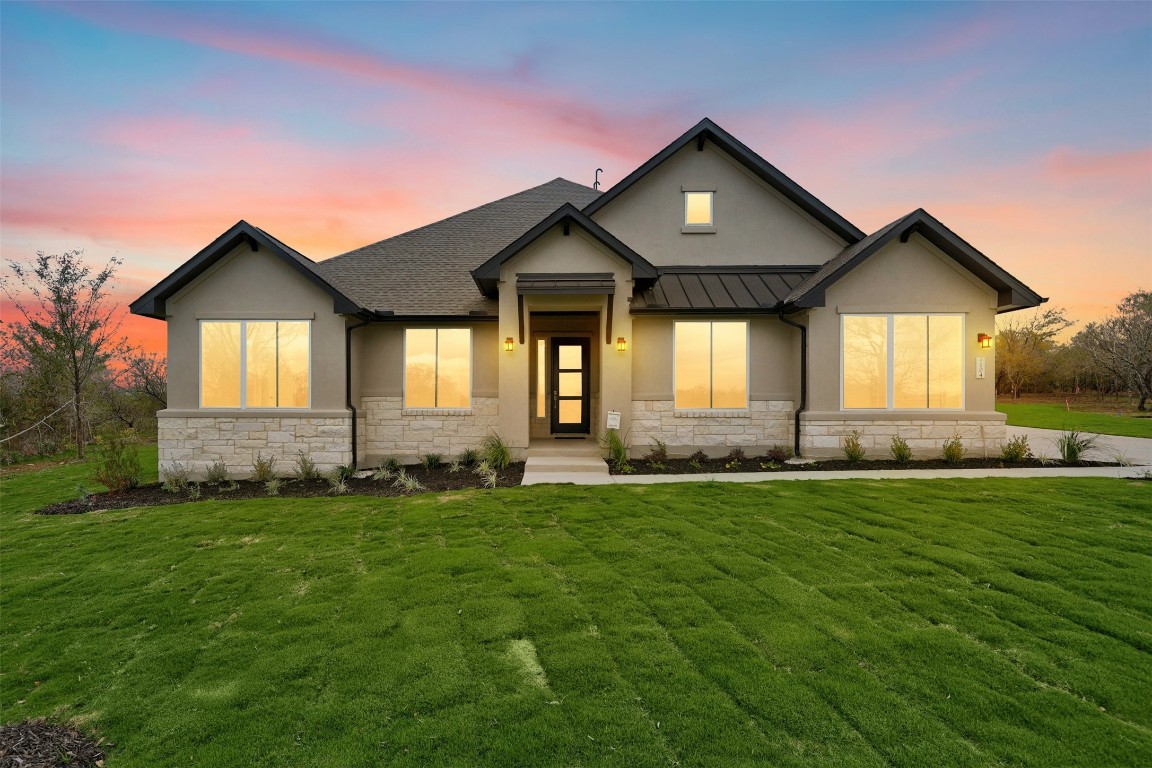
778, 454
468, 457
496, 451
345, 471
658, 454
900, 450
217, 473
853, 450
263, 469
272, 487
194, 491
953, 451
736, 455
407, 482
118, 468
175, 477
1073, 445
388, 469
1016, 449
699, 457
432, 460
306, 468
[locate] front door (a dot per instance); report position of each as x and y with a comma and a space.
569, 386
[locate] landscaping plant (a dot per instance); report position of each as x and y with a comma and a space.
1073, 445
175, 477
901, 452
853, 450
118, 468
1015, 449
496, 451
953, 450
263, 469
306, 468
217, 473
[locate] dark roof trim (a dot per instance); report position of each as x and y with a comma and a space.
487, 275
655, 310
708, 130
570, 283
1011, 293
152, 303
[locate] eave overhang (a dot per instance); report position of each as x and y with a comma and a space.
487, 275
153, 303
706, 130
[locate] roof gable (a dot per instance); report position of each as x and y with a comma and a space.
152, 303
487, 275
1011, 293
706, 130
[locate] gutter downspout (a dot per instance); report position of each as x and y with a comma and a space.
348, 379
803, 376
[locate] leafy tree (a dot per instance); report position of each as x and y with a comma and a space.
1121, 345
1024, 347
68, 327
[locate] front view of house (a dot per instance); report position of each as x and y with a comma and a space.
706, 301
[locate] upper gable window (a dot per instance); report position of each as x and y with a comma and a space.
698, 210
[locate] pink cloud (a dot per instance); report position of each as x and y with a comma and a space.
1123, 173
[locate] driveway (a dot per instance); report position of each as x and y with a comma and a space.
1137, 450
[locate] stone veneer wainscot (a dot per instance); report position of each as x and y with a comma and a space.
764, 423
386, 428
822, 434
199, 441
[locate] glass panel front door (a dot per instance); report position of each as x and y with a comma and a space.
569, 386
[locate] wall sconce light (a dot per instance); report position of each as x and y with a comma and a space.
508, 344
621, 344
984, 340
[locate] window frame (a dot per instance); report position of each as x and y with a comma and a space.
243, 322
699, 228
436, 373
890, 362
747, 367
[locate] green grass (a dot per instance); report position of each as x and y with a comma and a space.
61, 478
847, 623
1053, 416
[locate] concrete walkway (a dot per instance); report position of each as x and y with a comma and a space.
1137, 450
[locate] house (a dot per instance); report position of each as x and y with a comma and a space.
707, 300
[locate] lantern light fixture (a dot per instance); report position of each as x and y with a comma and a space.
621, 344
984, 340
508, 344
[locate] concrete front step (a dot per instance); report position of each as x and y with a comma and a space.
547, 448
582, 470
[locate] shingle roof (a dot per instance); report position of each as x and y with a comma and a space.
428, 271
723, 289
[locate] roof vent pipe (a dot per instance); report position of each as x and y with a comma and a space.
596, 181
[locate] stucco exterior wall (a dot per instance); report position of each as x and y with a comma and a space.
754, 224
555, 252
247, 285
764, 424
198, 441
387, 429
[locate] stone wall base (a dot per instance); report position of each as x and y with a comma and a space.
199, 442
387, 429
822, 435
763, 424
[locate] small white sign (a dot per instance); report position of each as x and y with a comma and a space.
613, 419
979, 367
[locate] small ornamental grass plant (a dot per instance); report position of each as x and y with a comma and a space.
617, 451
432, 460
306, 469
1074, 445
901, 452
496, 451
853, 449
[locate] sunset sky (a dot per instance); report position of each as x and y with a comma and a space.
144, 131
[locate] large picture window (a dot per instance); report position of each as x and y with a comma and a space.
895, 362
711, 368
254, 363
437, 368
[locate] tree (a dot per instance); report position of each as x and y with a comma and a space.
1024, 348
69, 327
1121, 345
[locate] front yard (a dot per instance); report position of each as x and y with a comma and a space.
855, 623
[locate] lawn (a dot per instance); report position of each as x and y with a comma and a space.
1057, 416
848, 623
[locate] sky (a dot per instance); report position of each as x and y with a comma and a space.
143, 131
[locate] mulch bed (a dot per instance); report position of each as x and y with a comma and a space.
41, 744
153, 495
760, 464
